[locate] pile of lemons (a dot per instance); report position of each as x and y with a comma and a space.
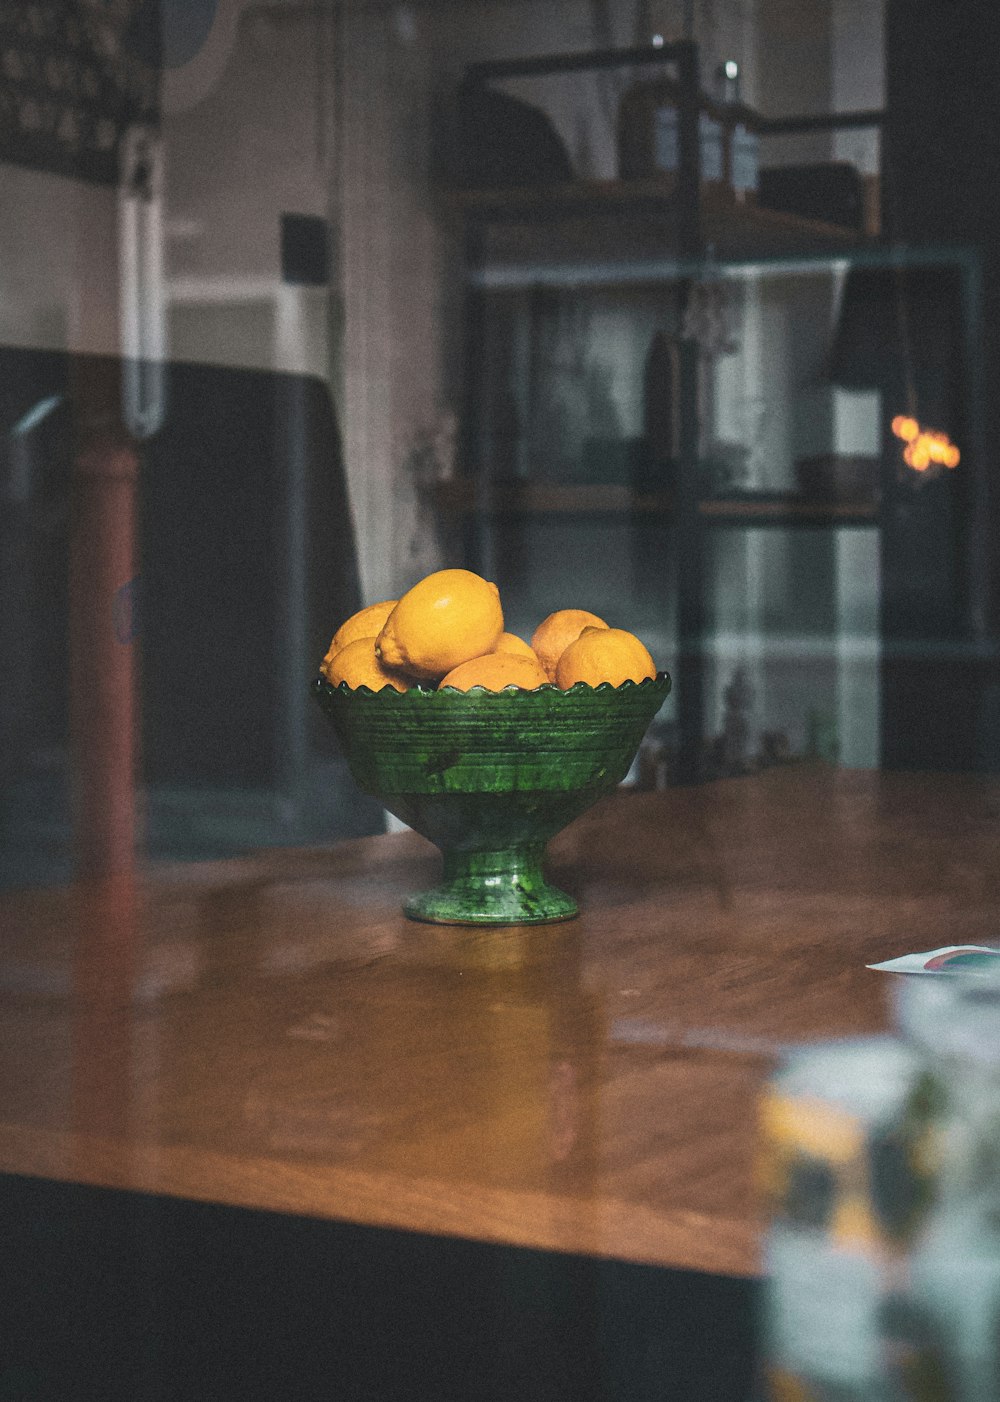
448, 630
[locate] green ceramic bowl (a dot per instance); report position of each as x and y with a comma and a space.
489, 777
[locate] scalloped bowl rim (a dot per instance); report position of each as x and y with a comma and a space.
482, 692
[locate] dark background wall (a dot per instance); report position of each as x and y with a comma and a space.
942, 173
941, 162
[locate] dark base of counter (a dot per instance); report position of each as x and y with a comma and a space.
115, 1295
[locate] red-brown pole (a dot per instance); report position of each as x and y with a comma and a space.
102, 663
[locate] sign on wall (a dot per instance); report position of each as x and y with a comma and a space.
73, 75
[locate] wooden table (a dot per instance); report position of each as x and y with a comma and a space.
271, 1033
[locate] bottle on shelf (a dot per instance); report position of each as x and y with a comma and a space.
649, 134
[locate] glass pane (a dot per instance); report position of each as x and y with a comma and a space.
780, 421
681, 314
795, 649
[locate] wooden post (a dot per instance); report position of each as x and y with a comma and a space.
102, 665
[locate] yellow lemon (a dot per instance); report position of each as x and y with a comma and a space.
446, 619
554, 634
604, 655
366, 623
510, 642
357, 665
496, 670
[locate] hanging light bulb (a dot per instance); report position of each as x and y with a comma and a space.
925, 447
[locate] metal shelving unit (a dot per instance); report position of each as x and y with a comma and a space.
646, 234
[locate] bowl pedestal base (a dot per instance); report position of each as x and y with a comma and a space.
503, 886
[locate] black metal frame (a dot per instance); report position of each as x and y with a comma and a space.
683, 55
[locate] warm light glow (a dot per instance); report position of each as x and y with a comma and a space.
924, 446
905, 428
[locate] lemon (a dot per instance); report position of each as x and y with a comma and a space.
366, 623
510, 642
357, 665
553, 636
448, 618
496, 670
604, 655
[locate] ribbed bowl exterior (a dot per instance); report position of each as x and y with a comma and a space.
471, 769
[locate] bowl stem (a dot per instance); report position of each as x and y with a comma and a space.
500, 886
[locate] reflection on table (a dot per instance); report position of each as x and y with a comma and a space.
272, 1034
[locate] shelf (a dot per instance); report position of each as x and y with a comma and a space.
628, 231
787, 509
461, 497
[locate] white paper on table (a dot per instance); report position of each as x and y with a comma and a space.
950, 958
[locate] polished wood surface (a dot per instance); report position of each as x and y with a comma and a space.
272, 1032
